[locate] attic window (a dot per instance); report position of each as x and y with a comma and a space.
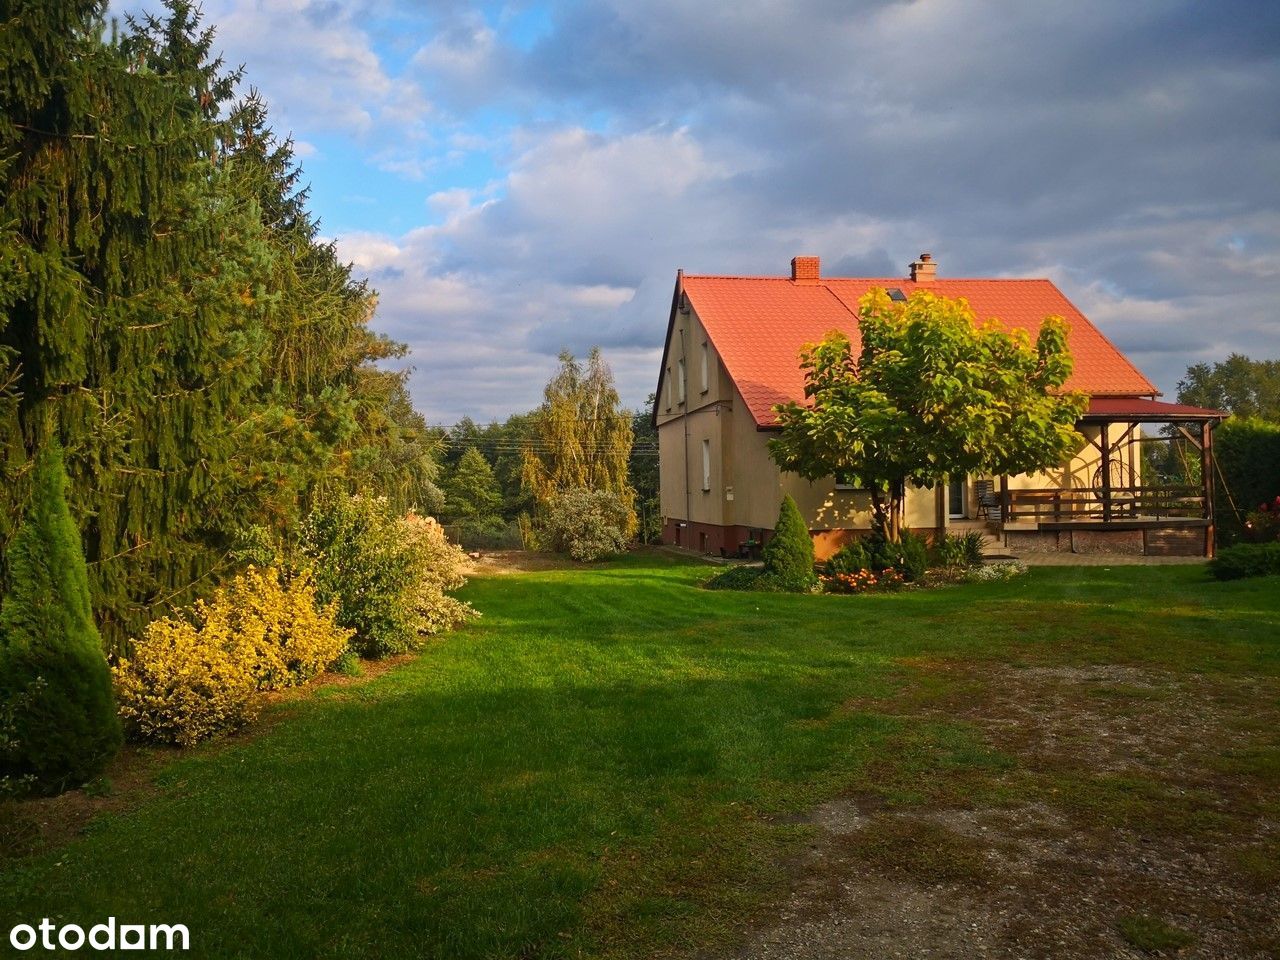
897, 296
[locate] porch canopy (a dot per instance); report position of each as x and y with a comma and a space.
1117, 495
1142, 410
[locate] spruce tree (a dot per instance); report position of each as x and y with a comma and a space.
51, 656
789, 553
472, 496
168, 309
130, 313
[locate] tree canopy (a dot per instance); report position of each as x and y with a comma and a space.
932, 393
169, 312
473, 499
581, 437
1243, 387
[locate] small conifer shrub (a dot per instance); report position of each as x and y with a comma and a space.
788, 556
51, 656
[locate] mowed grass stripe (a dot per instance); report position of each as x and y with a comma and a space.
606, 763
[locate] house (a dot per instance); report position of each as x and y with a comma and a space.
732, 353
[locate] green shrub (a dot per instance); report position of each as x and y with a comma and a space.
957, 552
1246, 560
585, 524
759, 580
1263, 525
347, 665
777, 583
1247, 452
388, 575
909, 556
50, 653
788, 556
974, 545
950, 551
439, 567
735, 578
13, 706
849, 559
363, 562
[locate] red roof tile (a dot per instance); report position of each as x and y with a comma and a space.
758, 326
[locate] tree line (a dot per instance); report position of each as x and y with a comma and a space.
499, 479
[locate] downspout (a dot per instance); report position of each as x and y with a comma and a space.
683, 387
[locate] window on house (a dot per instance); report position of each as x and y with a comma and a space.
706, 368
668, 390
706, 465
680, 379
845, 481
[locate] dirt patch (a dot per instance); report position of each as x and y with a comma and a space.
1136, 819
500, 562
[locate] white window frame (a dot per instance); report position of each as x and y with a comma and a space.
706, 466
680, 379
706, 367
668, 390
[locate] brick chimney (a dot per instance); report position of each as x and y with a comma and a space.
805, 269
924, 270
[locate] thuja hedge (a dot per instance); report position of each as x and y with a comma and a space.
1247, 451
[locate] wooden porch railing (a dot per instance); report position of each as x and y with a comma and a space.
1119, 504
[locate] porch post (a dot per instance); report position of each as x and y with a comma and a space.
1004, 500
1206, 481
1106, 472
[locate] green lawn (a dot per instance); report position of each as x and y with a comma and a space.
613, 761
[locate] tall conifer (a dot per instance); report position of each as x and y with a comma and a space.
167, 305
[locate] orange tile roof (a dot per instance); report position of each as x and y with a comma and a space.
759, 324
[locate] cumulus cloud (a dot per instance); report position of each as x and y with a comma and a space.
1128, 151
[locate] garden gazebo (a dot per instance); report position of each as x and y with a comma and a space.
1112, 506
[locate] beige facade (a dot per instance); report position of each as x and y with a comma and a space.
719, 486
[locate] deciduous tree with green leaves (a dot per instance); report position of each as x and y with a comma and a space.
932, 393
581, 437
1244, 387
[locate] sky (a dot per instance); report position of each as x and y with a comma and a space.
516, 179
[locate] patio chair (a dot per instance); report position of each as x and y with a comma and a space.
988, 499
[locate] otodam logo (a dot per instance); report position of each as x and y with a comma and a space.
47, 935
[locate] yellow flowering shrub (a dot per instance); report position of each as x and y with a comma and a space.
292, 638
191, 678
186, 681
